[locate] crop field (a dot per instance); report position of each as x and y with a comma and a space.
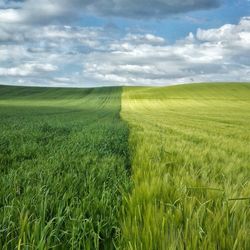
191, 167
63, 163
136, 168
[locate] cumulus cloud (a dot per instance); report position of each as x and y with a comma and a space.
46, 11
144, 38
236, 33
209, 55
84, 56
40, 11
27, 69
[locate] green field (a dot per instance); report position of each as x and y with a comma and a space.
126, 168
64, 165
191, 167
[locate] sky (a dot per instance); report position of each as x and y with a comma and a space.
91, 43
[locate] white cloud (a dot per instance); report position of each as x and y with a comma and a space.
144, 39
84, 56
27, 69
209, 55
10, 16
47, 11
34, 11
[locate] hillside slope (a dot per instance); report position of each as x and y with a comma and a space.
190, 167
63, 165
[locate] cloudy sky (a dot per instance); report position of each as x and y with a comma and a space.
86, 43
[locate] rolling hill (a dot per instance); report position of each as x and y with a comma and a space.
191, 166
125, 168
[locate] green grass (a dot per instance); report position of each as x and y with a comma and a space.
63, 168
73, 176
190, 167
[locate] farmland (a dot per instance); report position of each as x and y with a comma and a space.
63, 163
191, 167
125, 168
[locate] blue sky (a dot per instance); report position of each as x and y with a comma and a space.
123, 42
178, 26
